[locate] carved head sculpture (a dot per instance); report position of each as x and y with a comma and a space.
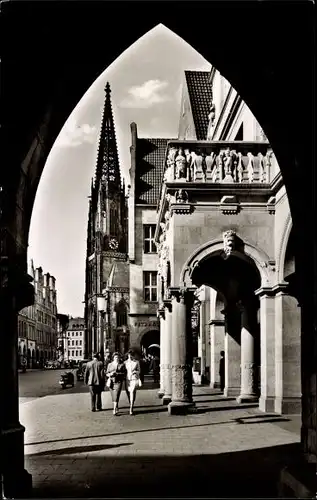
181, 196
229, 241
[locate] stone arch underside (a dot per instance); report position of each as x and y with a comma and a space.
146, 331
283, 247
257, 256
70, 83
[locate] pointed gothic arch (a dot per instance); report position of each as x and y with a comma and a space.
55, 86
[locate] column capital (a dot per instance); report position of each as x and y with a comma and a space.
183, 294
168, 304
16, 283
217, 322
161, 313
281, 288
265, 291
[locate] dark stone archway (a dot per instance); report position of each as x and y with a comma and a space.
150, 340
268, 74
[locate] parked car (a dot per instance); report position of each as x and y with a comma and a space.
66, 378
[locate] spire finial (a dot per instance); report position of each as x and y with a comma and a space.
107, 89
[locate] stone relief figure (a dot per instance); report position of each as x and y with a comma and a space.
181, 165
250, 167
181, 196
228, 162
240, 169
189, 160
170, 162
229, 242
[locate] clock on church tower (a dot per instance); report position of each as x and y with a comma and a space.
113, 244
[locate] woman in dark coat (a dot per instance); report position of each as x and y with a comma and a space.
116, 373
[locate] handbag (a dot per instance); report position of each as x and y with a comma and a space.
109, 383
140, 383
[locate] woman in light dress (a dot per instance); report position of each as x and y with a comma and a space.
133, 378
116, 373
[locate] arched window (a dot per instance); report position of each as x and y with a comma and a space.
122, 314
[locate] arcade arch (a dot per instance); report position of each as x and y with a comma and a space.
150, 341
34, 138
236, 280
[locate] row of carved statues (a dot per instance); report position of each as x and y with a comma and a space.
224, 165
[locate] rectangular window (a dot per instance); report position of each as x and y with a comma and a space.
150, 286
80, 342
73, 353
73, 342
149, 244
76, 353
80, 353
76, 342
76, 334
69, 342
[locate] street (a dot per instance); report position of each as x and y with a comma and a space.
39, 383
221, 449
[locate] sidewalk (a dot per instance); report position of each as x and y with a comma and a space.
221, 450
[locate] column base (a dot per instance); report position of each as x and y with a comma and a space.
180, 407
17, 484
247, 398
160, 394
297, 481
231, 391
288, 406
266, 404
214, 385
166, 400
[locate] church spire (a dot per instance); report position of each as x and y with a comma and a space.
107, 161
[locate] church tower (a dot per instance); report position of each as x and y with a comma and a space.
107, 276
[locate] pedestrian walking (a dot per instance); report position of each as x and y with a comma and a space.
133, 378
222, 370
116, 373
95, 379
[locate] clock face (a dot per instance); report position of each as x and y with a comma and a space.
113, 244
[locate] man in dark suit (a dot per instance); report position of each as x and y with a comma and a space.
95, 379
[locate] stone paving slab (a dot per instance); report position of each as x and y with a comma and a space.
73, 452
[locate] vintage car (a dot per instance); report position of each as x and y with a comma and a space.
66, 378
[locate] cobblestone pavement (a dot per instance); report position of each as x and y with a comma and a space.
222, 449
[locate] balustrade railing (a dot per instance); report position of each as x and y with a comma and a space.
219, 162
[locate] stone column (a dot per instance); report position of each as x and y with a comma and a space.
267, 342
248, 366
182, 400
163, 349
287, 352
167, 398
232, 353
15, 293
217, 344
202, 340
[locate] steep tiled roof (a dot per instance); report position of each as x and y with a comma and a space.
200, 95
150, 157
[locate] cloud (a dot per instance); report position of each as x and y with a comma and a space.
146, 95
73, 134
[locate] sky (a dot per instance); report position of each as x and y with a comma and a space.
146, 82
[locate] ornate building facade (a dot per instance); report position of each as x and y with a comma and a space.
107, 272
37, 324
226, 249
210, 254
71, 340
